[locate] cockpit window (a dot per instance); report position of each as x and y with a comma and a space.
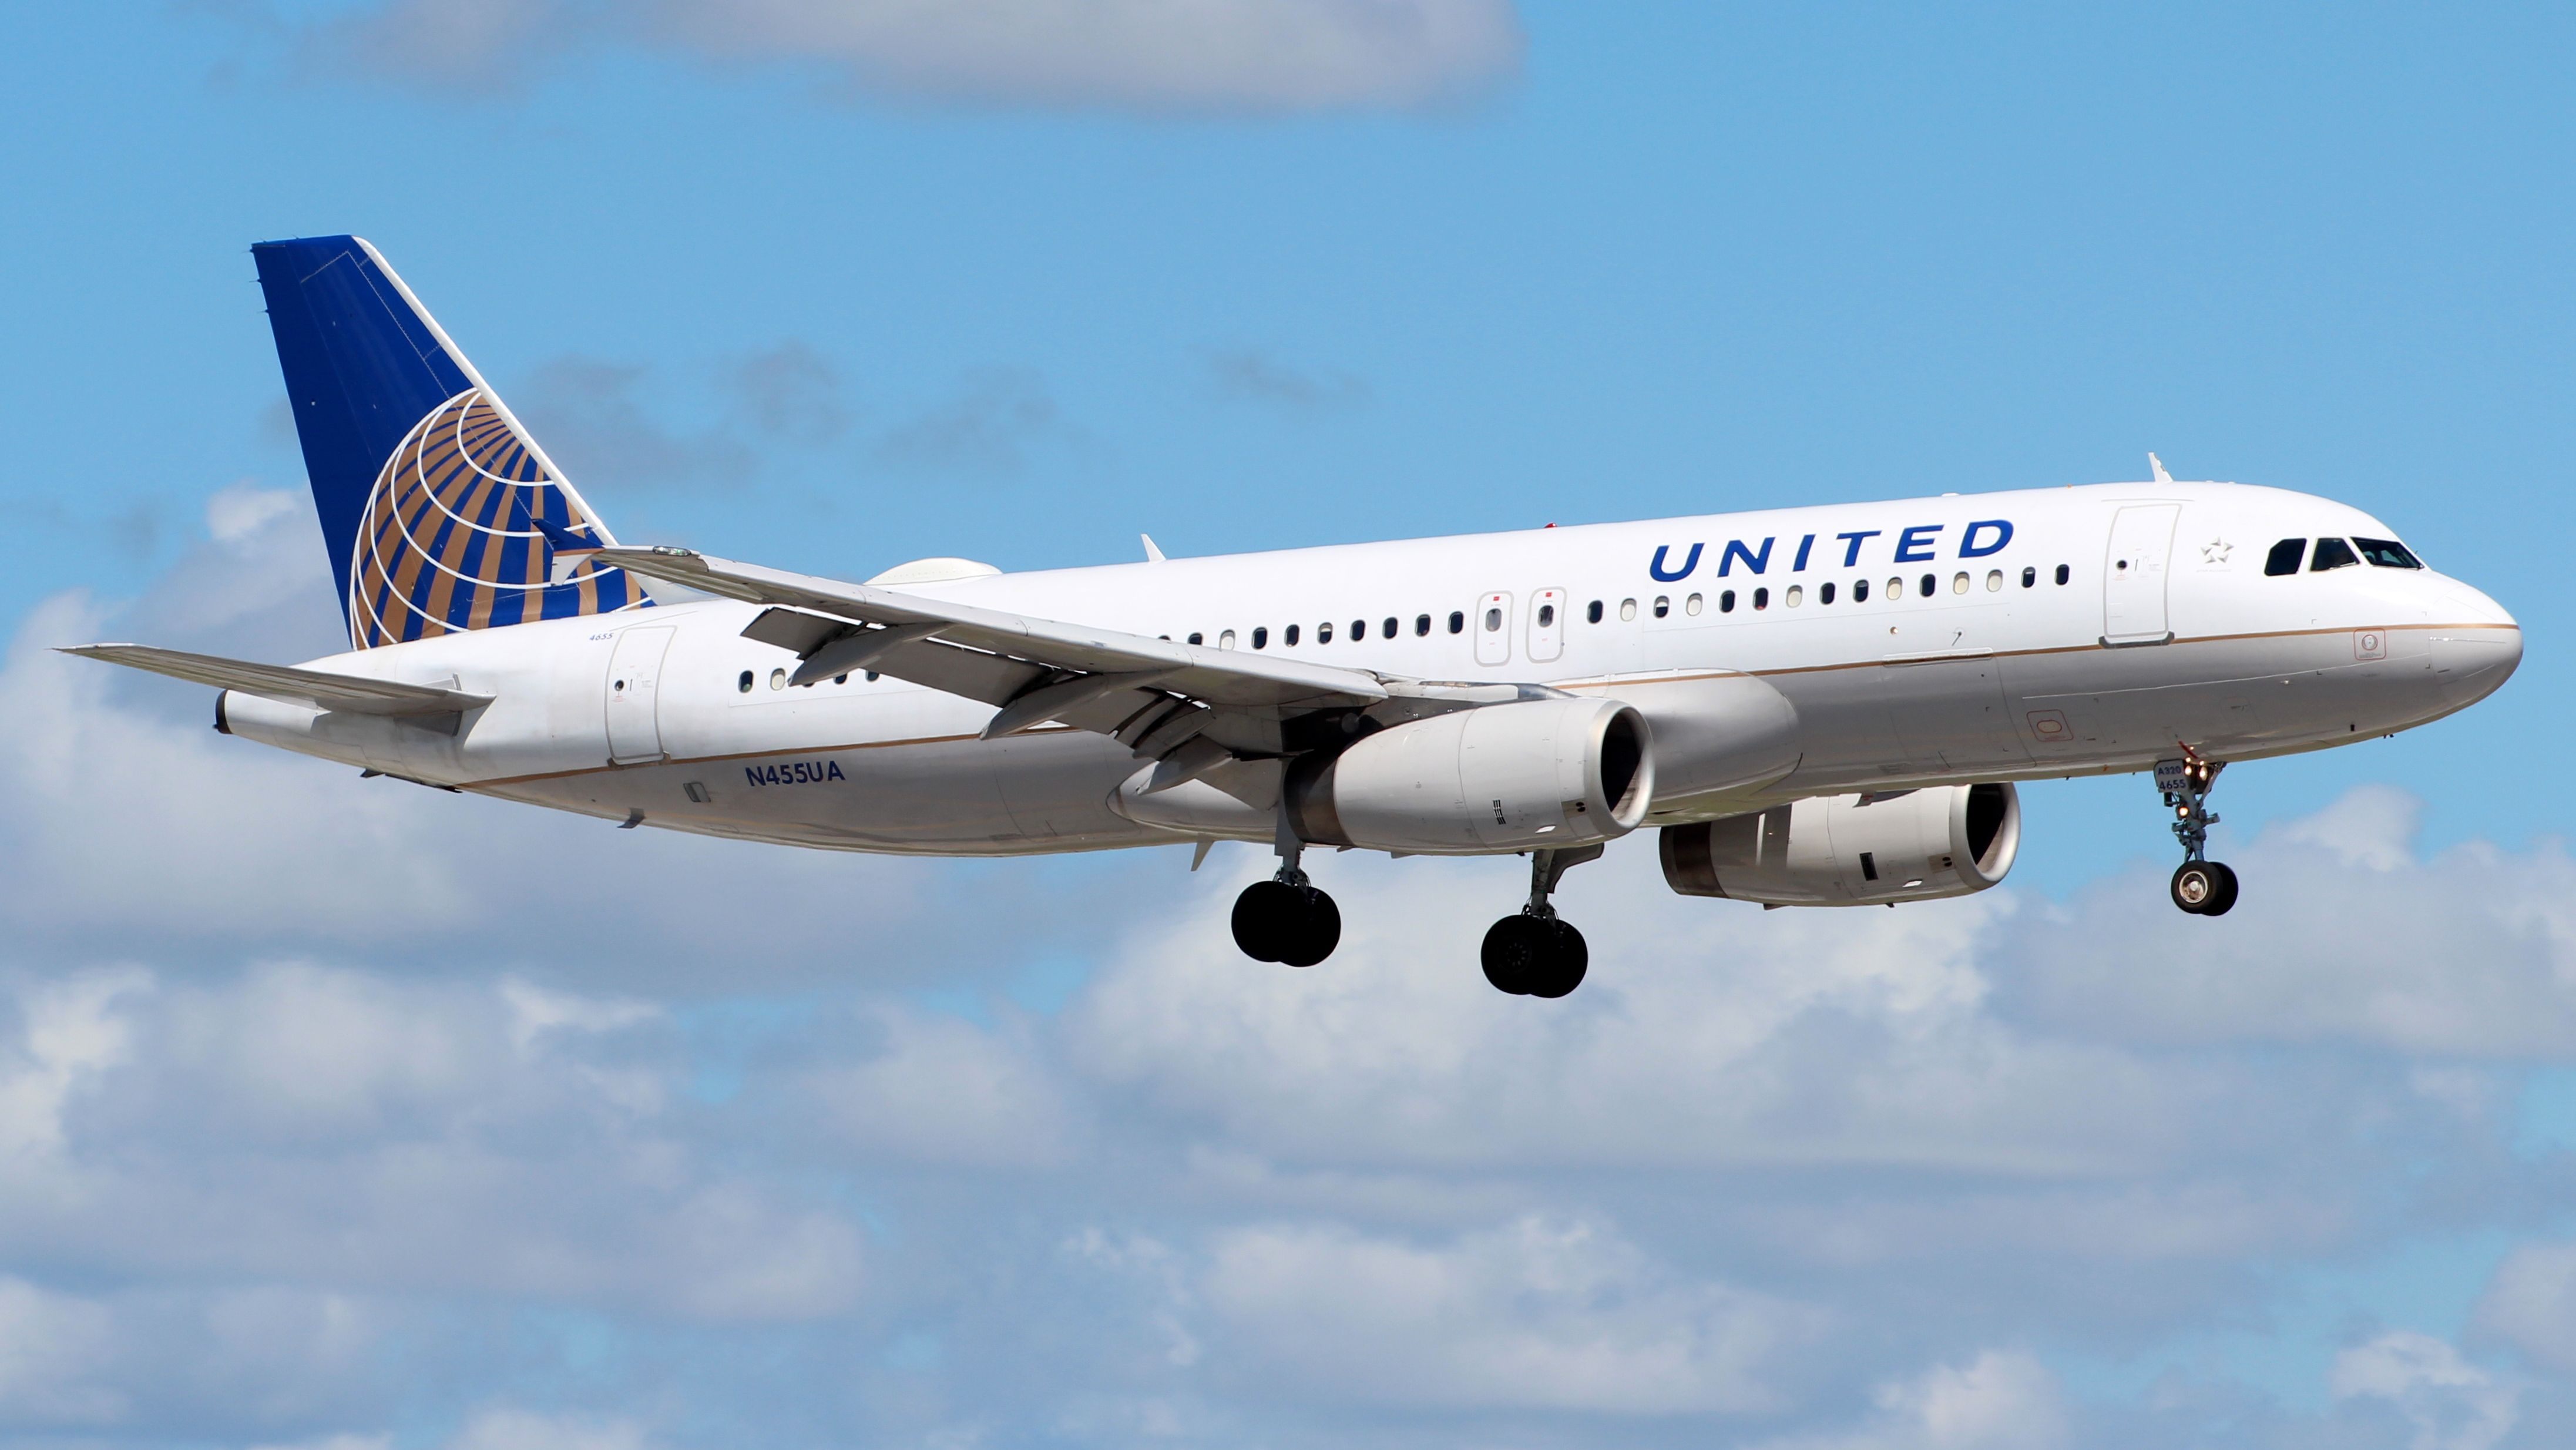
2387, 554
2285, 557
2332, 554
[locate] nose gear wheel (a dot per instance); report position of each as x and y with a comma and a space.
2200, 886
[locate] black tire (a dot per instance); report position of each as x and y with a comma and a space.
1263, 917
2195, 885
2225, 896
1516, 952
1314, 928
1567, 960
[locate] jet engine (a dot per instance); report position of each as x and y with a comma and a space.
1532, 774
1852, 850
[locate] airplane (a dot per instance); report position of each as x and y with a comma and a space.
1815, 706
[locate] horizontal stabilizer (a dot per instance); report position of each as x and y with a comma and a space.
316, 688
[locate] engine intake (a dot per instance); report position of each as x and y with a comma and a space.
1852, 850
1532, 774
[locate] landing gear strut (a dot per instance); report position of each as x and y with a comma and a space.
1534, 954
2200, 886
1287, 918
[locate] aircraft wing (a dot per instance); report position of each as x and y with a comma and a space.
319, 689
1154, 695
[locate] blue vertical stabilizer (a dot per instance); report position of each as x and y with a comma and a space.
440, 512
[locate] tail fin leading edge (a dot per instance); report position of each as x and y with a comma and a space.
441, 513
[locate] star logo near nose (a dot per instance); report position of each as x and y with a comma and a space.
2216, 551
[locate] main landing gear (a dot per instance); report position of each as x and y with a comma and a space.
1533, 953
1287, 918
2200, 886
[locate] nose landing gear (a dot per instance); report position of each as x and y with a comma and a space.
2200, 886
1534, 954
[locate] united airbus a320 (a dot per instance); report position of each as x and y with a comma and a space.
1824, 706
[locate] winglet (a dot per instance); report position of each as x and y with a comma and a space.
2158, 465
1153, 555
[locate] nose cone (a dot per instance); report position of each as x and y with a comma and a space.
2476, 647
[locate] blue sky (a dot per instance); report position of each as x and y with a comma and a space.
798, 283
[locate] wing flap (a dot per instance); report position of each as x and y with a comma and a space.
1218, 677
319, 689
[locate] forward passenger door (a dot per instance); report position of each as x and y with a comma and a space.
2134, 571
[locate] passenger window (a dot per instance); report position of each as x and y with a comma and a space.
1493, 620
1324, 632
1663, 605
744, 683
778, 679
1422, 622
1197, 638
1387, 628
1261, 636
2387, 554
1546, 615
1931, 582
1761, 598
1225, 640
2029, 576
1860, 592
2332, 554
2285, 557
1895, 588
1797, 595
1994, 580
1457, 621
842, 678
1288, 636
1825, 594
2061, 573
1959, 582
1592, 613
1359, 630
1726, 601
1627, 609
1691, 605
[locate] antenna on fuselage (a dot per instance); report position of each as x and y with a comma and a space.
2158, 465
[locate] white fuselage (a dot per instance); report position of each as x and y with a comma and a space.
2165, 637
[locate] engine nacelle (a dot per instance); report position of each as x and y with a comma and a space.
1852, 850
1532, 774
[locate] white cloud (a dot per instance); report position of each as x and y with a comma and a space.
1184, 56
1534, 1315
51, 1347
1705, 1034
2344, 934
2449, 1403
943, 1090
2531, 1303
235, 514
68, 1036
85, 776
2000, 1400
515, 1429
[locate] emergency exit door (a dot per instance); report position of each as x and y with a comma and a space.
1493, 626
